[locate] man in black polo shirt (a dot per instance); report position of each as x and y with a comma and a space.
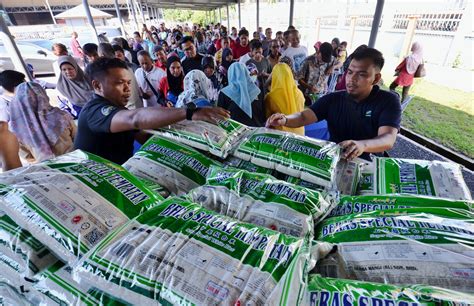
363, 119
106, 128
192, 60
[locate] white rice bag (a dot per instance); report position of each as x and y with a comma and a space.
302, 157
181, 253
177, 167
218, 139
72, 202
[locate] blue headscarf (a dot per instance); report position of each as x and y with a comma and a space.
241, 89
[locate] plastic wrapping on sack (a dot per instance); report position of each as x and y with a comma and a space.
177, 167
56, 286
72, 202
324, 291
359, 204
181, 253
218, 140
302, 157
238, 163
366, 179
297, 181
21, 255
347, 176
160, 191
432, 246
9, 296
262, 200
409, 176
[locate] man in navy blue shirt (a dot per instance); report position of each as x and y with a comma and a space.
363, 119
106, 128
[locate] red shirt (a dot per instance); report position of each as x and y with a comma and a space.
160, 65
238, 50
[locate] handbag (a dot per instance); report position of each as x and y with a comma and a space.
420, 71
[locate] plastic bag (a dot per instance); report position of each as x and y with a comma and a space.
302, 157
263, 200
409, 176
177, 167
21, 255
181, 253
324, 291
238, 163
219, 139
359, 204
9, 296
432, 246
72, 202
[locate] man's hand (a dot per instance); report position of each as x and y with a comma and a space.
352, 149
276, 120
211, 114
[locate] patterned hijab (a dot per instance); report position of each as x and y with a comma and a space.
196, 86
79, 90
36, 123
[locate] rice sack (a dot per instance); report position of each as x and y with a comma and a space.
431, 246
177, 167
324, 291
181, 253
263, 200
359, 204
409, 176
72, 202
218, 139
302, 157
21, 255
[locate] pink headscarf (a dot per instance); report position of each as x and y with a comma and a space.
415, 58
35, 122
317, 45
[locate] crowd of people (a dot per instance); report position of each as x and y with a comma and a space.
161, 76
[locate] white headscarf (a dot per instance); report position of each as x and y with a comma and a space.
196, 85
415, 58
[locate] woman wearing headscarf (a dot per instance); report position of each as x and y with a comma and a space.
341, 84
405, 71
227, 60
43, 131
171, 86
209, 67
284, 96
242, 97
73, 85
197, 89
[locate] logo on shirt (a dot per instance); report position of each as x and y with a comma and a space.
106, 110
368, 113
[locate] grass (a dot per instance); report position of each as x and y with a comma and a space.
440, 113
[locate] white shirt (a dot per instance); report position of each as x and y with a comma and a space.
244, 58
297, 55
4, 111
154, 76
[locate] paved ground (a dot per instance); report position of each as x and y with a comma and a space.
405, 148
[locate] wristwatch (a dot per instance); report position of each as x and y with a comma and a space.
191, 108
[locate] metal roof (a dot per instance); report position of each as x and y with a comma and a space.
175, 4
80, 12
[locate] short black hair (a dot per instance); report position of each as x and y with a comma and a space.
106, 50
243, 32
9, 79
185, 39
98, 70
90, 49
291, 28
137, 33
117, 48
143, 53
279, 33
286, 33
326, 51
372, 54
255, 44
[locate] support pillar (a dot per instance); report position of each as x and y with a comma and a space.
407, 41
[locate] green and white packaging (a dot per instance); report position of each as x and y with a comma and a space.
55, 286
21, 255
238, 163
181, 253
359, 204
218, 139
302, 157
262, 200
409, 176
72, 202
324, 291
9, 295
177, 167
155, 187
347, 176
432, 246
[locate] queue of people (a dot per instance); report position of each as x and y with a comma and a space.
163, 76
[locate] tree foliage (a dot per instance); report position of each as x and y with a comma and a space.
178, 15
